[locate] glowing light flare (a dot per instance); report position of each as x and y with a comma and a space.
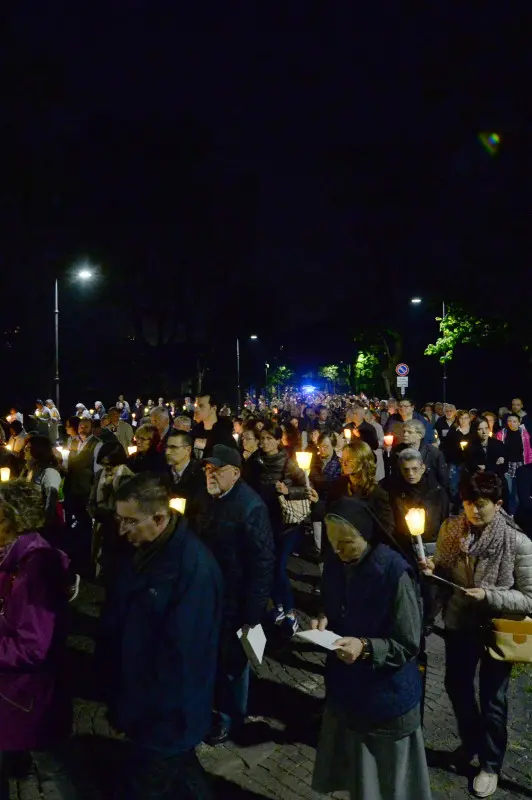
388, 439
5, 474
348, 434
132, 449
490, 141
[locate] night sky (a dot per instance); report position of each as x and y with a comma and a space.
292, 170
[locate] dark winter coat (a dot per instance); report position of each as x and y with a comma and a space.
425, 494
237, 530
158, 645
269, 469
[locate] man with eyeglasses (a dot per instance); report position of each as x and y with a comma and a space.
412, 488
187, 475
407, 411
237, 529
158, 645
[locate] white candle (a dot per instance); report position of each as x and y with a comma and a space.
415, 519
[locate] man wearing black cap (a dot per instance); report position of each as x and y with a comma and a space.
237, 529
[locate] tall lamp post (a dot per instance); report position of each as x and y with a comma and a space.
239, 393
416, 301
84, 274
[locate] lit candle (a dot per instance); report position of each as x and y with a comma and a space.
91, 411
9, 418
178, 504
132, 449
388, 440
463, 445
9, 446
168, 405
146, 411
134, 416
185, 408
347, 434
304, 459
37, 413
415, 519
235, 437
64, 453
490, 433
5, 472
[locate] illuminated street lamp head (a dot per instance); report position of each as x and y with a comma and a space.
85, 274
254, 336
416, 301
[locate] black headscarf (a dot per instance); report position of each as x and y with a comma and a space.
356, 512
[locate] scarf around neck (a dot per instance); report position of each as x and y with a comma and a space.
494, 551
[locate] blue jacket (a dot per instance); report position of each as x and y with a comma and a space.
158, 645
237, 530
359, 602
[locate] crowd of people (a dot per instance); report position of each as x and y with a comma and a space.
187, 514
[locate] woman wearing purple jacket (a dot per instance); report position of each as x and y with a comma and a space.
35, 709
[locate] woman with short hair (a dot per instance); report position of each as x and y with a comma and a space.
483, 551
35, 707
147, 458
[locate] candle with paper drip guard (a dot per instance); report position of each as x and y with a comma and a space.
388, 441
9, 447
132, 449
178, 504
5, 474
304, 460
415, 519
235, 437
348, 434
463, 445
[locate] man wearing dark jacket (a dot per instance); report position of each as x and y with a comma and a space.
236, 528
413, 489
407, 412
362, 429
188, 480
158, 643
210, 430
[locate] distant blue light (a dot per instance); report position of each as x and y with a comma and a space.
308, 389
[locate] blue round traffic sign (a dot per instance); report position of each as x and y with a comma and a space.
402, 370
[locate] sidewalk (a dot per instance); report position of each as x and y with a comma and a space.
285, 705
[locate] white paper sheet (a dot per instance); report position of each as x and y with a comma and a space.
254, 644
324, 639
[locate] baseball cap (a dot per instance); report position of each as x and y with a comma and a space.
223, 455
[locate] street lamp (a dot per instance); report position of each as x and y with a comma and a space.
239, 394
84, 274
415, 302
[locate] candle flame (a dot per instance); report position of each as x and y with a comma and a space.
415, 519
178, 504
303, 460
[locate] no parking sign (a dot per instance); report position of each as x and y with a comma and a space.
402, 370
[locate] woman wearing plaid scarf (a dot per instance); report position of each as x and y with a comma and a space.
483, 551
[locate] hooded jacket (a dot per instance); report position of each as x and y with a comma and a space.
34, 705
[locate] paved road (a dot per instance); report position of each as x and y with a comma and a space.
285, 705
